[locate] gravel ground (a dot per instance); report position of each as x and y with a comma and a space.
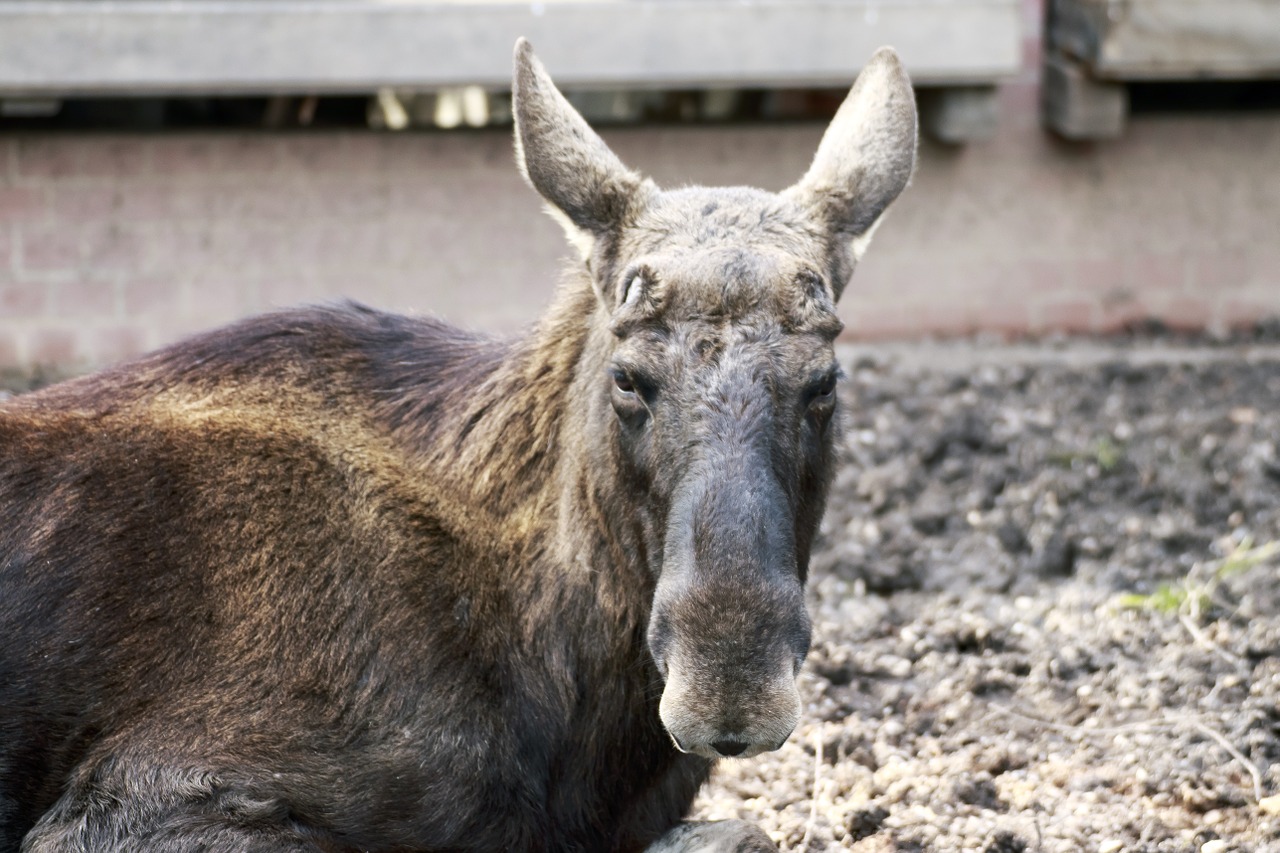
1047, 610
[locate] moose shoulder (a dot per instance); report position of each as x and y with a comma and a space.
338, 580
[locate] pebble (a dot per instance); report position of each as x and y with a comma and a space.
892, 728
1217, 845
1243, 415
1111, 845
894, 666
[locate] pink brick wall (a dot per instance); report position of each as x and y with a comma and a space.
112, 244
1178, 221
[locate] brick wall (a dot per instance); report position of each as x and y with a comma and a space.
112, 244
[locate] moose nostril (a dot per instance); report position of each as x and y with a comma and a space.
729, 747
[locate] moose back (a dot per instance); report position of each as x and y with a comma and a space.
337, 580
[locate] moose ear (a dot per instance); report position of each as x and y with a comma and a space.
867, 155
585, 184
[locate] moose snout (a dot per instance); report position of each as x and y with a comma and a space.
730, 663
705, 719
728, 629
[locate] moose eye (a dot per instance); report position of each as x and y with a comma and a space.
629, 395
623, 383
822, 390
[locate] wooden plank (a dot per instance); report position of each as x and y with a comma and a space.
959, 114
1076, 106
67, 47
1170, 39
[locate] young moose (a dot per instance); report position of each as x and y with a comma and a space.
337, 580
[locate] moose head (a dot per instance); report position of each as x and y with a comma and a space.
710, 384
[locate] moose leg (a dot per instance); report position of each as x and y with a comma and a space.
165, 811
168, 839
714, 836
177, 832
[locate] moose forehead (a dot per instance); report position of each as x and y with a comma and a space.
736, 257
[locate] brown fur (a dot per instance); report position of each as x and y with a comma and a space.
333, 579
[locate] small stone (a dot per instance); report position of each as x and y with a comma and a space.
894, 666
1005, 842
1270, 805
1243, 415
1058, 558
1111, 845
1012, 539
865, 822
892, 729
1217, 845
979, 791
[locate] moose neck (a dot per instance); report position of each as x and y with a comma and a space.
519, 446
591, 496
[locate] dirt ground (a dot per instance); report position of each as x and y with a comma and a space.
1047, 610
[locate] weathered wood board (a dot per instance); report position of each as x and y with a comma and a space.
209, 47
1169, 39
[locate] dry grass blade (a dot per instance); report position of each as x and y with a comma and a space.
1236, 754
813, 793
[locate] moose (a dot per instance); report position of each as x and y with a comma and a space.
333, 579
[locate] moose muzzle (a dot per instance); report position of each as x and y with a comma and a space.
729, 629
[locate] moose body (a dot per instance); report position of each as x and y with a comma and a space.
337, 580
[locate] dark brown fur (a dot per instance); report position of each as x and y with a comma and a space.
291, 554
336, 580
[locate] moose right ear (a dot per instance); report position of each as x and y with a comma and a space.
586, 186
867, 156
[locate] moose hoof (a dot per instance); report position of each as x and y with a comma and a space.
716, 836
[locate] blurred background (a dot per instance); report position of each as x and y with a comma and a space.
1088, 166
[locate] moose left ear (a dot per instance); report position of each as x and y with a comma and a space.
585, 184
867, 155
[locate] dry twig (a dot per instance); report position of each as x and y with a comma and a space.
1239, 756
1169, 723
